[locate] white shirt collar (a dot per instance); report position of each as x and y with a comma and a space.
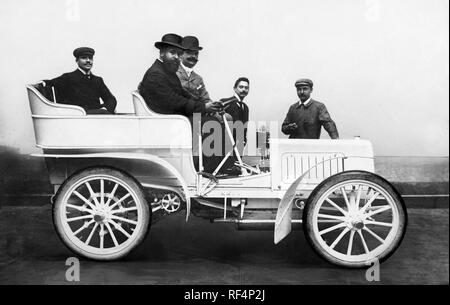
188, 70
305, 103
84, 72
238, 98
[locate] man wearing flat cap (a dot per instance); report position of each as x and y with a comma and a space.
306, 117
161, 88
82, 88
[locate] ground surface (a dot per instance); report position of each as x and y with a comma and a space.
197, 252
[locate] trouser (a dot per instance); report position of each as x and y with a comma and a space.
216, 144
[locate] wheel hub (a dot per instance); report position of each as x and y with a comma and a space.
355, 222
99, 218
358, 225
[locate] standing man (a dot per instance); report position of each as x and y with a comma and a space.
306, 117
82, 88
161, 87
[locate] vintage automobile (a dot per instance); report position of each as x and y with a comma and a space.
115, 175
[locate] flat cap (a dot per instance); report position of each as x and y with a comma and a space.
83, 51
304, 81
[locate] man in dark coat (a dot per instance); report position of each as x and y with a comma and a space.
162, 90
82, 88
238, 113
161, 87
237, 109
306, 117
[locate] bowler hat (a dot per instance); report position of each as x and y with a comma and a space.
83, 51
303, 82
169, 40
191, 43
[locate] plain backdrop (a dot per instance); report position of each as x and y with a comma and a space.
381, 67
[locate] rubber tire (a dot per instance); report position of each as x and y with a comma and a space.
345, 176
126, 179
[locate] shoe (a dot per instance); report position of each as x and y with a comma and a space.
233, 171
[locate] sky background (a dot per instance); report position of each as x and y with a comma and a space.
381, 67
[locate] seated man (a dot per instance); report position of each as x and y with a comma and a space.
163, 92
238, 113
82, 88
161, 87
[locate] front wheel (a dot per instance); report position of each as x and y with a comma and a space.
354, 218
101, 213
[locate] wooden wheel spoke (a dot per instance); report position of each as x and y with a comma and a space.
111, 195
350, 243
326, 216
338, 239
336, 206
79, 218
378, 223
369, 202
88, 240
83, 227
374, 235
119, 228
112, 234
124, 220
84, 200
330, 229
363, 241
119, 211
119, 201
91, 192
377, 211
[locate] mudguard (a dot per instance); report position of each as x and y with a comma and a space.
135, 156
283, 220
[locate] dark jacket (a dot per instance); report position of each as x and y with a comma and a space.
239, 112
309, 119
162, 91
76, 88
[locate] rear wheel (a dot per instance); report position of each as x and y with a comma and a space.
354, 218
101, 213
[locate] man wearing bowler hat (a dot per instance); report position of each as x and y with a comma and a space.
306, 117
190, 80
161, 88
82, 88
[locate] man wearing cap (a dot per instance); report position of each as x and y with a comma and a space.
161, 88
306, 117
82, 88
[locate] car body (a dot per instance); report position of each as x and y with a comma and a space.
149, 158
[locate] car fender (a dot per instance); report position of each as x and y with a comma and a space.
134, 156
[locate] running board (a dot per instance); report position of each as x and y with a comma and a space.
257, 224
